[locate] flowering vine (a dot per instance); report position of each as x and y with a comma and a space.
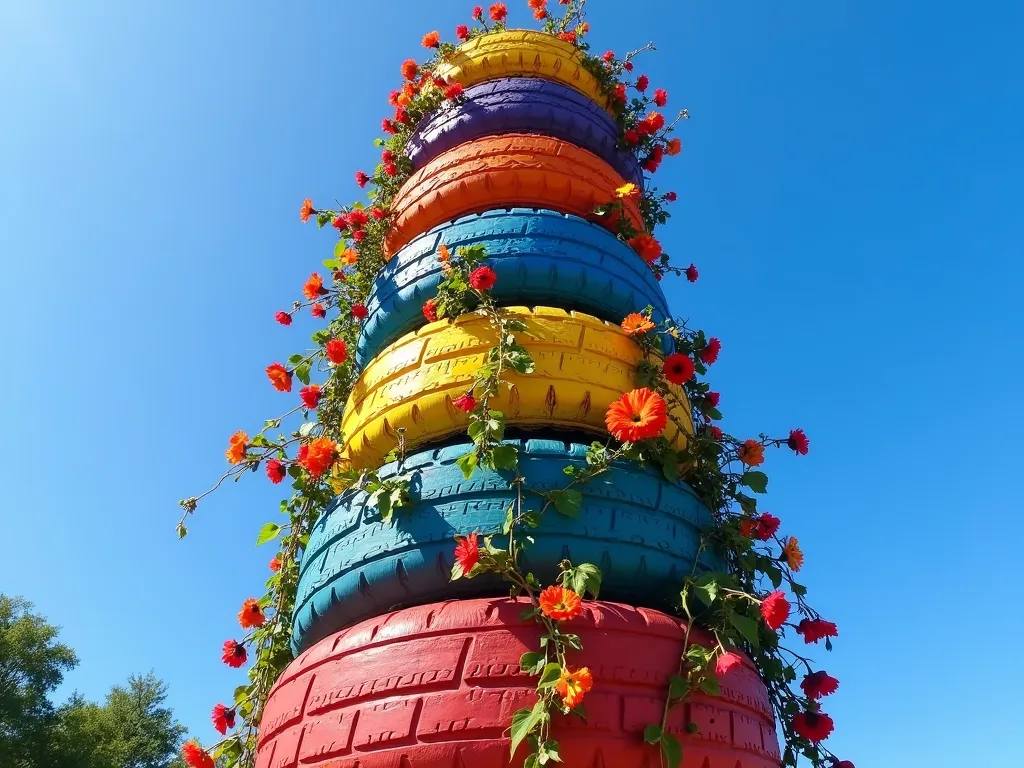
745, 609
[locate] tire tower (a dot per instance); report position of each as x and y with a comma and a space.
397, 666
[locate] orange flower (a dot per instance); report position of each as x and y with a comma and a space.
280, 377
236, 451
628, 191
674, 147
306, 210
791, 552
751, 453
635, 324
432, 39
409, 69
275, 564
645, 245
573, 686
318, 455
251, 614
443, 254
313, 287
349, 257
637, 415
559, 603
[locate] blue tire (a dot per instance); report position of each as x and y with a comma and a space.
542, 258
642, 530
523, 105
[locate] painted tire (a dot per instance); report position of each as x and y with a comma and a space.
582, 365
523, 105
522, 53
642, 530
436, 687
540, 257
498, 172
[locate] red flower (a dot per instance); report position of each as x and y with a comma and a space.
540, 14
390, 169
483, 278
453, 91
478, 13
357, 218
775, 610
661, 97
233, 653
237, 446
814, 630
713, 398
671, 197
306, 210
798, 441
274, 564
359, 235
318, 310
462, 32
678, 368
692, 274
645, 245
310, 396
637, 415
813, 726
709, 354
276, 471
387, 156
560, 603
280, 377
631, 137
498, 12
674, 147
726, 662
641, 83
359, 311
819, 684
195, 756
537, 4
340, 222
430, 310
387, 126
251, 614
223, 718
409, 69
467, 553
465, 403
609, 57
431, 40
765, 526
283, 318
620, 93
844, 764
361, 178
313, 287
335, 351
654, 121
317, 456
569, 37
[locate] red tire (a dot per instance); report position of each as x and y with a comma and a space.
436, 686
503, 172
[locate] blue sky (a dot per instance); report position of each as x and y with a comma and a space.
849, 188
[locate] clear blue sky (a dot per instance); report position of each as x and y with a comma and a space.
850, 189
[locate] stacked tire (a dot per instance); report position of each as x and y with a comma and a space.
396, 666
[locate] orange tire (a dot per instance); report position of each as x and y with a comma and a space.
503, 171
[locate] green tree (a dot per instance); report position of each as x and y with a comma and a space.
32, 665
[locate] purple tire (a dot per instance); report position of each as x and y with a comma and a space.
523, 105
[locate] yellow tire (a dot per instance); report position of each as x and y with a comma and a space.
582, 365
522, 53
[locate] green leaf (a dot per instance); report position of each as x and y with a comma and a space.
532, 662
525, 721
268, 532
710, 686
467, 463
652, 734
672, 750
586, 577
302, 373
182, 531
549, 676
746, 627
567, 501
505, 457
755, 481
676, 688
670, 465
296, 359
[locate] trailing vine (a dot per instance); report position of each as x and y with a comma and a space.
744, 609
